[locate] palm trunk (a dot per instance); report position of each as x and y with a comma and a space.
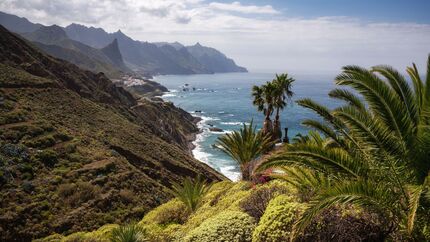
277, 132
246, 173
267, 125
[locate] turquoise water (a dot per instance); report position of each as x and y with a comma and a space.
225, 102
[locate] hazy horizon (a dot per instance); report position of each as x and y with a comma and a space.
263, 36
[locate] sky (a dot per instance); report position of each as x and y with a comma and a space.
298, 36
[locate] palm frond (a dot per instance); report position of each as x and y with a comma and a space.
348, 97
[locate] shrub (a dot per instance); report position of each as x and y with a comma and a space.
190, 192
255, 204
345, 224
276, 224
66, 190
75, 194
41, 142
227, 196
128, 233
47, 157
226, 226
173, 211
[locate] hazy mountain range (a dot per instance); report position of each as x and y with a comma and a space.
112, 53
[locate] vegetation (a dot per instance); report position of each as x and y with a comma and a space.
128, 233
270, 96
226, 226
278, 220
374, 152
190, 192
245, 146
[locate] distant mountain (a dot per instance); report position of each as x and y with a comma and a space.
114, 54
142, 57
213, 59
95, 37
158, 58
54, 40
175, 45
17, 24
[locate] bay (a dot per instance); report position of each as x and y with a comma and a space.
224, 101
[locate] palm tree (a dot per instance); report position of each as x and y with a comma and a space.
191, 192
283, 93
379, 149
264, 100
245, 146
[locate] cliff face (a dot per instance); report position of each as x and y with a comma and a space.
76, 151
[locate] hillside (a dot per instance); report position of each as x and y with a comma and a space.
54, 41
213, 59
77, 151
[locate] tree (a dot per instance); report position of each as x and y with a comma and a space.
245, 146
282, 93
376, 151
264, 101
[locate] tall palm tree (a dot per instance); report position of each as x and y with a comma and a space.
283, 93
245, 146
264, 101
379, 155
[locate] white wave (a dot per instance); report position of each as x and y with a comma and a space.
205, 119
222, 132
174, 90
229, 171
234, 123
168, 95
221, 112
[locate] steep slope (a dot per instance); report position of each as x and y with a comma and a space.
95, 37
213, 59
17, 24
47, 37
184, 59
113, 53
76, 151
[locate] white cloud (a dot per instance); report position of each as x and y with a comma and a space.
248, 9
269, 41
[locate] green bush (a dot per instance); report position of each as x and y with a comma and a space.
255, 204
172, 212
41, 142
47, 157
226, 226
276, 224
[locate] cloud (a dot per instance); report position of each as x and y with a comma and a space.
247, 9
255, 41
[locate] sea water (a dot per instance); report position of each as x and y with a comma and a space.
224, 101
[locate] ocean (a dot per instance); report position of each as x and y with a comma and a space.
224, 101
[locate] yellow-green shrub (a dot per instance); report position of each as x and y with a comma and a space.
173, 211
223, 196
226, 226
256, 202
276, 224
